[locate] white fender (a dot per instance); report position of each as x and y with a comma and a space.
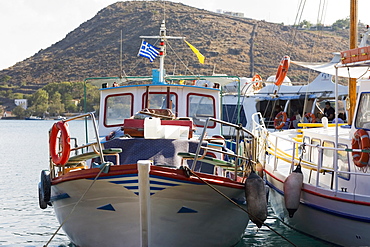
255, 194
292, 190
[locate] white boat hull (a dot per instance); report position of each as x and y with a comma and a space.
322, 213
109, 213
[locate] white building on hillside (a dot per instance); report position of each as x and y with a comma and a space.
21, 102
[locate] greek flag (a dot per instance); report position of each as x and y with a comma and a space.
149, 51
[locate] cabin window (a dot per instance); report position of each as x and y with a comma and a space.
328, 159
117, 108
328, 155
230, 114
343, 164
296, 106
158, 100
200, 107
363, 112
315, 150
269, 109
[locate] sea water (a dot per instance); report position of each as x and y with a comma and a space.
24, 153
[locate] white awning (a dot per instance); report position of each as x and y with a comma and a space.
329, 68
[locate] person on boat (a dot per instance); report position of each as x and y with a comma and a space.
340, 118
277, 110
294, 120
329, 111
319, 115
115, 84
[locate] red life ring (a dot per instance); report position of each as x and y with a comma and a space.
280, 120
310, 117
282, 70
257, 85
360, 141
256, 77
54, 144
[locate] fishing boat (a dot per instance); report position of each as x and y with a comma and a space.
34, 118
319, 175
158, 172
242, 99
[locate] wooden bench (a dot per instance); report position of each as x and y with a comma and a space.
77, 159
216, 162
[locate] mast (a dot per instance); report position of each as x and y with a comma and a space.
162, 48
352, 45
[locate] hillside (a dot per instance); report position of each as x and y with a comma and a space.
231, 45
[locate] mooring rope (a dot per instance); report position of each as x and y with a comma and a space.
74, 207
230, 200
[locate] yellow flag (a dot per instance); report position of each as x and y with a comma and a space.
195, 50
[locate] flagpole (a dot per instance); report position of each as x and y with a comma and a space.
162, 45
162, 52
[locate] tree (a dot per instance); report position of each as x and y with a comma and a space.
39, 102
92, 99
63, 98
55, 105
305, 24
341, 24
19, 112
69, 104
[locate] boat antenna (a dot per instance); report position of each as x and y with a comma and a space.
164, 11
121, 58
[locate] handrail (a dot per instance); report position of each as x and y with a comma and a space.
97, 143
239, 128
285, 156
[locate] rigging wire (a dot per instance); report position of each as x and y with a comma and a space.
78, 202
230, 200
320, 20
186, 67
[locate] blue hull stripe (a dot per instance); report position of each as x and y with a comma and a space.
116, 176
130, 182
124, 181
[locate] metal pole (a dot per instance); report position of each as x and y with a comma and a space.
143, 167
336, 132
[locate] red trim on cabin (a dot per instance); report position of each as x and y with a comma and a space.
214, 108
105, 110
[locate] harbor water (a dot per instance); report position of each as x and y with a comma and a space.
24, 153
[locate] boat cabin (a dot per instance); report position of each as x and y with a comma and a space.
167, 101
290, 99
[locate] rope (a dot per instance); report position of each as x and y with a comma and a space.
178, 57
230, 200
74, 207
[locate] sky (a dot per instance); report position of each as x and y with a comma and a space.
27, 26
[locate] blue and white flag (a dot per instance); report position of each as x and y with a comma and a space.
149, 51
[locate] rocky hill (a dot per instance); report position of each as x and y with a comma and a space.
231, 45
